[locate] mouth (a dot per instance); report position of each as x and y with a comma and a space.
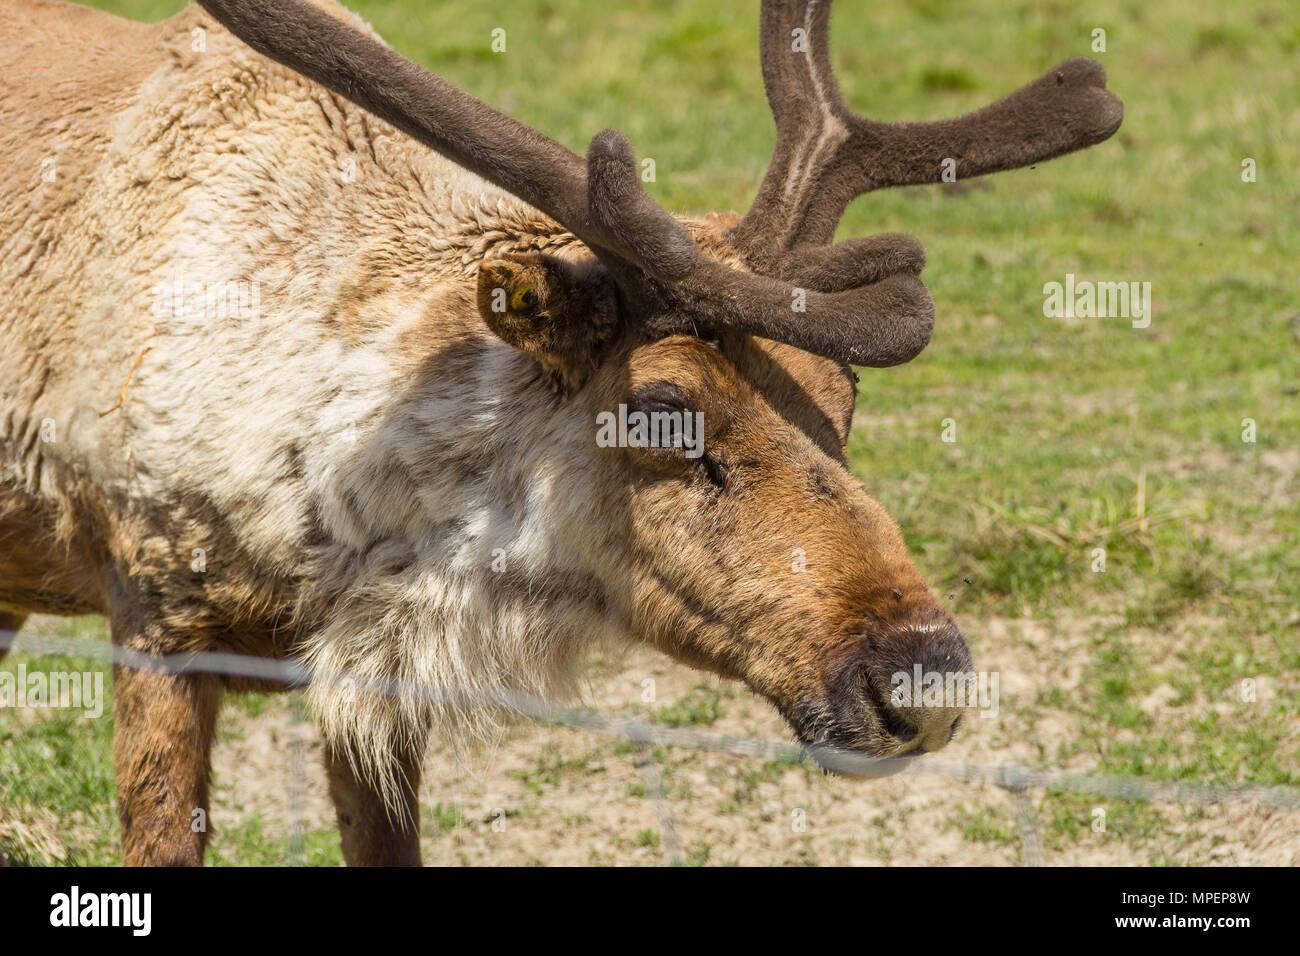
859, 765
858, 733
858, 747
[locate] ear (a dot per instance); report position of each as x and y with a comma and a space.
560, 313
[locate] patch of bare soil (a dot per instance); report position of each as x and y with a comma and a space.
559, 796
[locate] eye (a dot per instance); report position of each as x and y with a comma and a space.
666, 432
660, 421
662, 415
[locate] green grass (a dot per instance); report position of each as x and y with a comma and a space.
248, 844
982, 826
1072, 435
69, 816
440, 818
550, 768
72, 809
701, 706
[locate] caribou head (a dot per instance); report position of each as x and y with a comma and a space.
737, 541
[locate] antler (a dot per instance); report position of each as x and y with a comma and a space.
614, 218
864, 304
878, 325
826, 155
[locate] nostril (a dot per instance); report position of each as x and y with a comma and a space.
895, 724
891, 720
928, 726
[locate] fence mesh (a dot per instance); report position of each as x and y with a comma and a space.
25, 841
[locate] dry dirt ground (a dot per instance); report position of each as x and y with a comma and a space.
555, 796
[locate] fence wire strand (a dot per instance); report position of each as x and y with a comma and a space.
1017, 781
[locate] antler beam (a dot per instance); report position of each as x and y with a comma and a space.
826, 155
502, 150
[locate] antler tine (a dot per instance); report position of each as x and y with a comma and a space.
878, 325
884, 323
617, 198
826, 155
503, 151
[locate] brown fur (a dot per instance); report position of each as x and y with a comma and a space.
372, 833
161, 742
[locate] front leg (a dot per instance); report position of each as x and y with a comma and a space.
372, 833
162, 735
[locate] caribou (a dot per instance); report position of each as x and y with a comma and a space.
305, 351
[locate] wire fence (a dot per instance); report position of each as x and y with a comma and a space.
1017, 781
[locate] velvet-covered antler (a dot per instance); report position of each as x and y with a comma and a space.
826, 155
862, 303
612, 216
